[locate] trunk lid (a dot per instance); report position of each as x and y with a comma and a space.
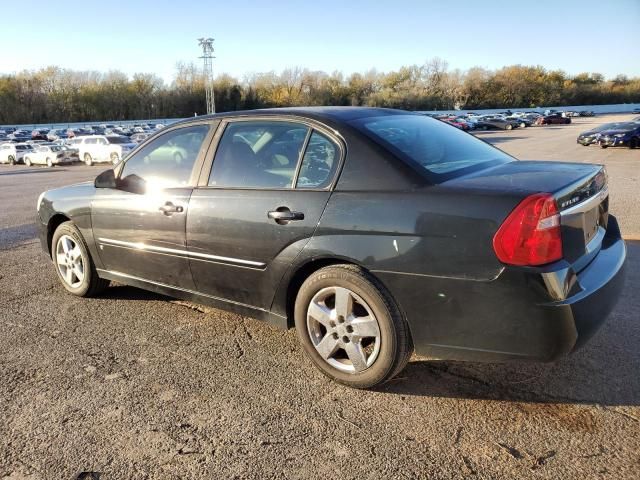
580, 190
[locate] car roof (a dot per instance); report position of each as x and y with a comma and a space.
332, 114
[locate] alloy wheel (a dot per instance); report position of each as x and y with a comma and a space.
69, 261
343, 329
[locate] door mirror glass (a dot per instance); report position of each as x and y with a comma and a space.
106, 179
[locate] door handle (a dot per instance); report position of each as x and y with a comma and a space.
282, 215
169, 208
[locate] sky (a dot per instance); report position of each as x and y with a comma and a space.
151, 36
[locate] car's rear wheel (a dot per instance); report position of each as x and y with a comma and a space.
508, 126
73, 263
27, 161
12, 160
115, 158
88, 160
602, 145
633, 143
523, 125
49, 163
350, 327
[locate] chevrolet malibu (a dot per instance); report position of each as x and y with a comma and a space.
372, 232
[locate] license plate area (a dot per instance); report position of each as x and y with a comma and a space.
591, 223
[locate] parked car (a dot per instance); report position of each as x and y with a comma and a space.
21, 150
55, 134
553, 118
48, 155
591, 136
490, 123
103, 148
40, 134
522, 121
587, 113
625, 135
370, 231
8, 153
139, 137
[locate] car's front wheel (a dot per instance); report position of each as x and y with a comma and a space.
27, 161
88, 160
115, 158
49, 163
12, 160
350, 327
73, 263
508, 126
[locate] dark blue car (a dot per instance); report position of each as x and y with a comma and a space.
627, 135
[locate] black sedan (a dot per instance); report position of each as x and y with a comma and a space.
370, 231
497, 123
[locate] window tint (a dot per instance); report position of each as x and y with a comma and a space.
319, 162
167, 161
258, 154
440, 150
91, 141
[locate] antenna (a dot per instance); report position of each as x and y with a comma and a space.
207, 56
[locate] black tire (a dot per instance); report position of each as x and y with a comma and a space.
88, 161
633, 143
92, 284
396, 345
602, 145
12, 160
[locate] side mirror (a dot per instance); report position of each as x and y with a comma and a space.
106, 179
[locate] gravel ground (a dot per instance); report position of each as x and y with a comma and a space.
132, 385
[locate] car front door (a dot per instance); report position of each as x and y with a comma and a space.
139, 227
258, 206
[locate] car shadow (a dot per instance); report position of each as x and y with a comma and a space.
11, 236
492, 139
604, 372
124, 292
33, 170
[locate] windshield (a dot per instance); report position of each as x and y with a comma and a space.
440, 150
118, 140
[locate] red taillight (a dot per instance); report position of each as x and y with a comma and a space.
531, 234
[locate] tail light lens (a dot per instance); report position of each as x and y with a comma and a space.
531, 234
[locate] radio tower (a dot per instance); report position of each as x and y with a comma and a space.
207, 56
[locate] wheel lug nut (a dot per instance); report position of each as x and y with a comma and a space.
345, 339
333, 324
335, 336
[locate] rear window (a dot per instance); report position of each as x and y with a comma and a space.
440, 151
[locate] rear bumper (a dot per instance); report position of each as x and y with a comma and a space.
516, 316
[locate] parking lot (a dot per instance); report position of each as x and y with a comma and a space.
132, 385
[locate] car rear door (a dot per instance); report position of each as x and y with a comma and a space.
139, 226
258, 206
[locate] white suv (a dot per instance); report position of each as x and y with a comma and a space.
8, 153
102, 148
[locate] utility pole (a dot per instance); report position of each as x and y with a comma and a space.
207, 56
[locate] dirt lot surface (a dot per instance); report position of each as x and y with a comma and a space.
134, 386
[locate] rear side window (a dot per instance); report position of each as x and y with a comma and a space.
438, 150
319, 162
258, 154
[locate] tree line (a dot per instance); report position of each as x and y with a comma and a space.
57, 95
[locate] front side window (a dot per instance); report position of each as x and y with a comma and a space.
440, 151
319, 162
165, 162
258, 154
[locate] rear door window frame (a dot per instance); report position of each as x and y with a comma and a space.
203, 180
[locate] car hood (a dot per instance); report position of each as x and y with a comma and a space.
614, 132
